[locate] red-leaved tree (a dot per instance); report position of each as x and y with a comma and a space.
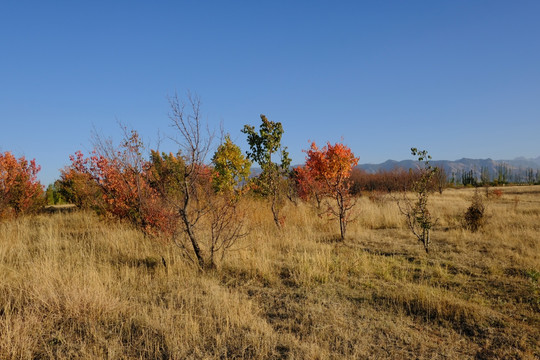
20, 191
123, 177
307, 186
77, 185
330, 168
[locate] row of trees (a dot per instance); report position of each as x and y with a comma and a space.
395, 180
198, 203
503, 175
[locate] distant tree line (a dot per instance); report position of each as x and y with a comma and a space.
395, 180
503, 175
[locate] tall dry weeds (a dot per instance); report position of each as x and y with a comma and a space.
74, 286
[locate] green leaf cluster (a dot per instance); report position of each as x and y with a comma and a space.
265, 143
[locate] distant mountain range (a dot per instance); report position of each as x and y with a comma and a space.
517, 166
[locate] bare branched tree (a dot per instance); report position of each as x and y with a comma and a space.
441, 179
211, 222
194, 147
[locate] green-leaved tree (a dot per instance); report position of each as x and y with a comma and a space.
417, 214
265, 146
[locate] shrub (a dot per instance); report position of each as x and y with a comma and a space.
79, 188
497, 193
53, 195
116, 182
474, 216
383, 180
20, 191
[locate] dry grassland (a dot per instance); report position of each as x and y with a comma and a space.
73, 286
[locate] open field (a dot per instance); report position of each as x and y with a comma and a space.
74, 286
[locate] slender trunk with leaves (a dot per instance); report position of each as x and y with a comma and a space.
272, 182
327, 173
416, 212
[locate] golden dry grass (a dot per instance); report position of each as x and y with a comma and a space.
76, 287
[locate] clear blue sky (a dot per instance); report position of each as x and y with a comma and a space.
459, 78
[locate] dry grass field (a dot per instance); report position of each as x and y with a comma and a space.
74, 286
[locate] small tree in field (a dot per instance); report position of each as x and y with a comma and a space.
441, 179
330, 168
272, 181
230, 172
202, 196
20, 191
416, 211
231, 168
474, 216
53, 196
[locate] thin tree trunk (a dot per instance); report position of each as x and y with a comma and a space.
342, 227
194, 243
342, 222
275, 211
425, 239
189, 228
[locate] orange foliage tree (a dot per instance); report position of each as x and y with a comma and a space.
77, 185
20, 191
123, 177
330, 168
307, 187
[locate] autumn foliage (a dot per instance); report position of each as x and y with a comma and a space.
177, 196
326, 174
307, 186
231, 168
20, 191
383, 181
122, 180
77, 186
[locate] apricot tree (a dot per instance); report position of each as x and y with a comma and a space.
77, 186
330, 167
